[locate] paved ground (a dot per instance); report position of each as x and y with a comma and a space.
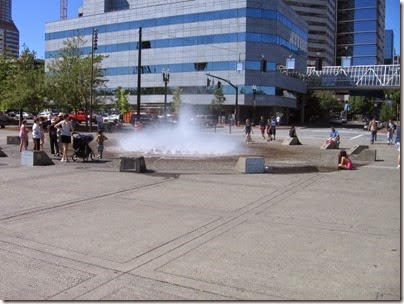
193, 228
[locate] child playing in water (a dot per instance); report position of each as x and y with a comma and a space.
100, 140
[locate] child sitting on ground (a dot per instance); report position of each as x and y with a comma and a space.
344, 162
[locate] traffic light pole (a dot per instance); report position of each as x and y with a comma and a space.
236, 88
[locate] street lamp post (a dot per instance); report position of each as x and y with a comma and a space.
254, 89
94, 46
166, 79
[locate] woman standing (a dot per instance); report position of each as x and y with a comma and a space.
23, 135
66, 135
36, 134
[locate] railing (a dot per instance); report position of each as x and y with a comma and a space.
377, 77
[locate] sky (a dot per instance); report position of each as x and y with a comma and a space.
30, 17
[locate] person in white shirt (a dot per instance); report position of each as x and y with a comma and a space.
66, 135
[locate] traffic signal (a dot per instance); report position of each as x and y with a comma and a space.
263, 65
219, 84
319, 64
95, 39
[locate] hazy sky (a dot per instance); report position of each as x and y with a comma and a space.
30, 18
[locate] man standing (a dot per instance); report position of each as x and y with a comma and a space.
373, 130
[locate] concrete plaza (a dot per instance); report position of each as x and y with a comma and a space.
85, 231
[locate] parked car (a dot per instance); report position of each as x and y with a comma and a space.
3, 119
81, 116
335, 120
25, 115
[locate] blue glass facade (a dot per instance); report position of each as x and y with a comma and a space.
190, 39
361, 31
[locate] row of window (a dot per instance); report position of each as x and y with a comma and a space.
228, 90
188, 67
190, 41
183, 19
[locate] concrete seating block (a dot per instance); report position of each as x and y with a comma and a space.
366, 155
2, 154
13, 140
132, 164
290, 141
251, 165
328, 160
357, 149
330, 145
35, 158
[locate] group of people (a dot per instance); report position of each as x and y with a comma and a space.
60, 131
268, 127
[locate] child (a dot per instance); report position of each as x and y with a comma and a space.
100, 140
344, 162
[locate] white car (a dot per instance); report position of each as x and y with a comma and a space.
25, 115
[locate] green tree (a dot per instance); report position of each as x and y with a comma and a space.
217, 102
22, 84
69, 76
328, 101
176, 100
121, 100
360, 105
387, 112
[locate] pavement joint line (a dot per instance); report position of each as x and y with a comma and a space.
40, 210
238, 216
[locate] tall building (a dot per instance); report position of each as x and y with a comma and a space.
9, 34
320, 16
389, 47
360, 28
230, 39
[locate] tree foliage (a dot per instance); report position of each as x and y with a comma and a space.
360, 105
121, 100
328, 101
176, 100
22, 82
217, 102
69, 75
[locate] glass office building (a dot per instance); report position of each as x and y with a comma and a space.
192, 38
321, 19
9, 34
360, 31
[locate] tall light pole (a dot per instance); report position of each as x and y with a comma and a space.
166, 79
254, 89
94, 46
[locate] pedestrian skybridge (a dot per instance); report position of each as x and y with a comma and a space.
365, 77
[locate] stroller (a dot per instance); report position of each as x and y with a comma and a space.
81, 147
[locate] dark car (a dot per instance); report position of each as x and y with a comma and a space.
3, 119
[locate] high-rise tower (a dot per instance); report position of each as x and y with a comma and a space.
9, 34
320, 16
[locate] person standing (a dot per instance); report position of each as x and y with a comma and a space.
398, 141
262, 126
390, 132
278, 120
23, 135
248, 130
66, 135
100, 140
269, 129
373, 130
36, 134
53, 138
273, 123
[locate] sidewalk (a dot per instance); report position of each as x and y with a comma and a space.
82, 231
